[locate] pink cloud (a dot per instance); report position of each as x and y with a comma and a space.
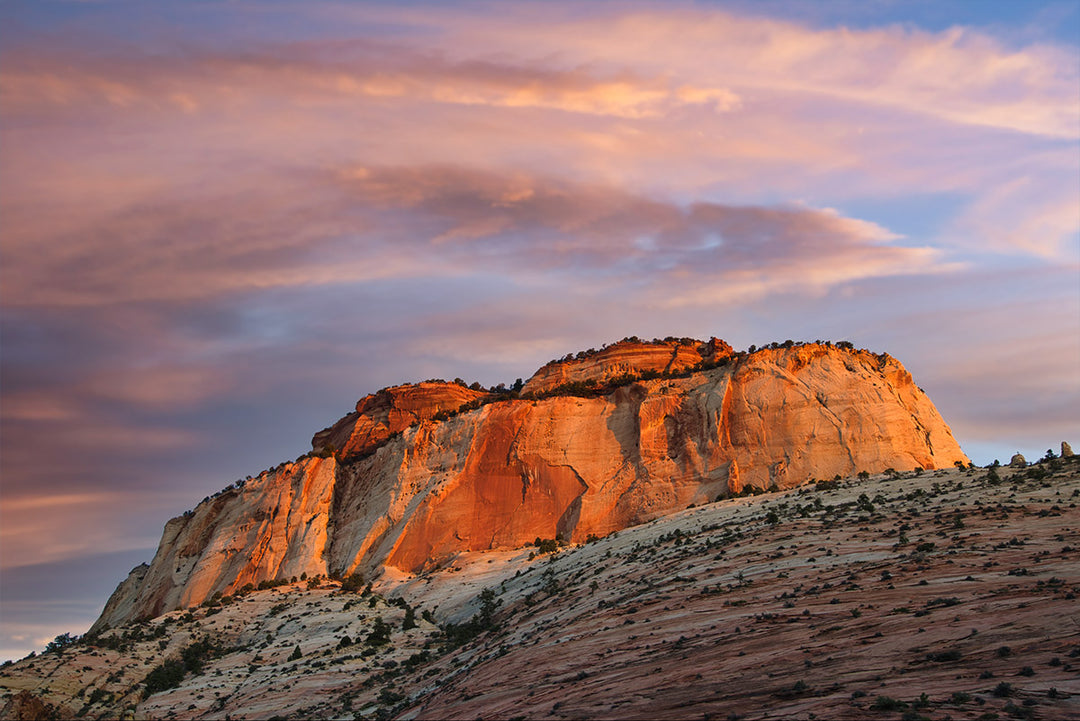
719, 103
476, 180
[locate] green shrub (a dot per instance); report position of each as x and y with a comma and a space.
380, 633
354, 582
886, 703
168, 674
546, 545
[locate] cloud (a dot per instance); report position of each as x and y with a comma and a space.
714, 93
1027, 214
360, 224
957, 75
52, 527
213, 244
372, 69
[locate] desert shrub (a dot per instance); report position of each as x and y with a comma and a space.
458, 634
546, 545
353, 582
61, 642
389, 697
380, 633
168, 674
887, 703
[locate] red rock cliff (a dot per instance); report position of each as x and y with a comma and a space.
624, 357
507, 472
390, 411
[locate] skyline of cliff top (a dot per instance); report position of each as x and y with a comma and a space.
224, 222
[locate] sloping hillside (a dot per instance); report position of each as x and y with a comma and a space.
946, 594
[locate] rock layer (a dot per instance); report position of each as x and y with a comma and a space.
626, 357
514, 470
381, 415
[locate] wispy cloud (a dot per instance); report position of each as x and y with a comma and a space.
212, 241
361, 224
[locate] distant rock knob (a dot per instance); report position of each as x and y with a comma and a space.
1066, 450
1018, 461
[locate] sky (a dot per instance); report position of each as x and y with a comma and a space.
222, 223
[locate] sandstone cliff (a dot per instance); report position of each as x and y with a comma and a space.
572, 465
624, 357
390, 411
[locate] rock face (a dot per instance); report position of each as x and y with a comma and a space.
510, 471
25, 706
390, 411
626, 357
276, 526
1018, 461
1066, 450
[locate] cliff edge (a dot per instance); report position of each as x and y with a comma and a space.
590, 445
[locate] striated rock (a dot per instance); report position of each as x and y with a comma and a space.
734, 481
705, 601
626, 358
379, 416
510, 471
275, 527
1066, 450
25, 706
1018, 461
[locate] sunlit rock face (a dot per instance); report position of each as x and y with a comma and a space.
275, 526
516, 469
391, 410
626, 357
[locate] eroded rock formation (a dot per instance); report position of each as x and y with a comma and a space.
572, 465
390, 411
626, 357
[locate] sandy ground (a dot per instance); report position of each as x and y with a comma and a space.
939, 595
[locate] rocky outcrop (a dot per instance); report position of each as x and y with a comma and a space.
379, 416
510, 471
1066, 450
626, 357
276, 526
1018, 461
25, 706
